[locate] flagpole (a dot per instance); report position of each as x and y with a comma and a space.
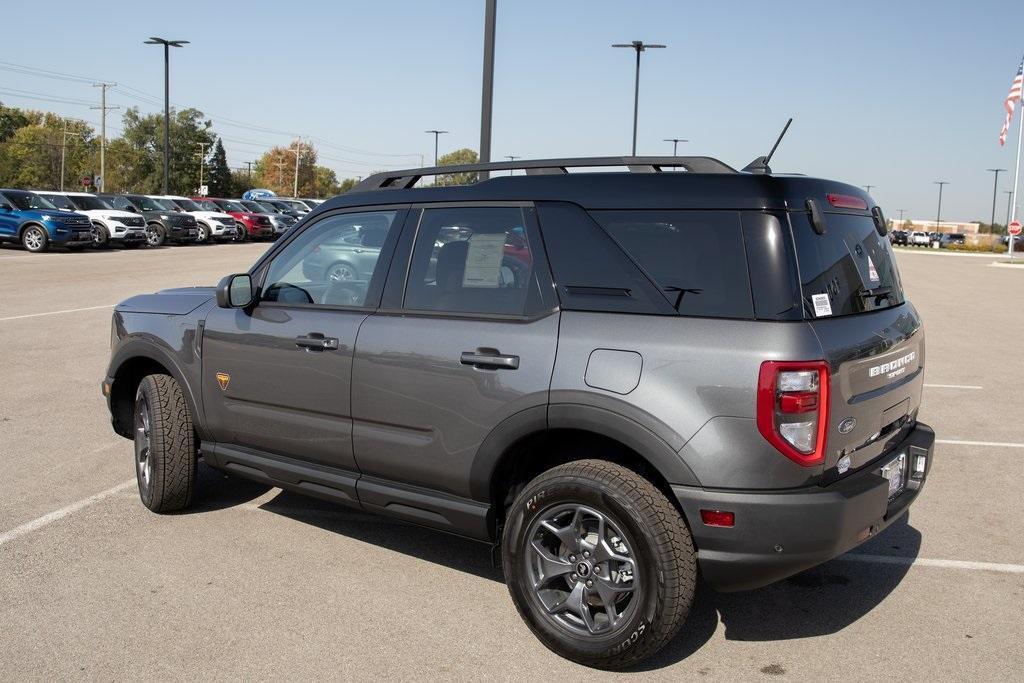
1016, 172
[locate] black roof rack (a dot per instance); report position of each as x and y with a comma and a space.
405, 179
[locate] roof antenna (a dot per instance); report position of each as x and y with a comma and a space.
760, 164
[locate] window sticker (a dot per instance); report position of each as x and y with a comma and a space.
822, 307
872, 272
483, 260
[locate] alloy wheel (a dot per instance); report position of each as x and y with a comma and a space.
143, 443
340, 272
33, 239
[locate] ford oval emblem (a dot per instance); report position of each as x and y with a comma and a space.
847, 425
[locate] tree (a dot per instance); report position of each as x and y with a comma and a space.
220, 181
456, 158
347, 184
240, 182
31, 156
275, 170
11, 119
143, 138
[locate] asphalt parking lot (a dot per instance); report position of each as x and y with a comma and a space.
257, 583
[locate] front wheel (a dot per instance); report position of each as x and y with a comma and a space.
165, 448
204, 233
100, 235
155, 234
35, 239
599, 563
240, 233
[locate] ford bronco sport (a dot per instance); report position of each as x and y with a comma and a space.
620, 379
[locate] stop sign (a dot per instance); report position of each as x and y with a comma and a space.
1014, 228
86, 181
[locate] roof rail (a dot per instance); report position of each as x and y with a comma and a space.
405, 179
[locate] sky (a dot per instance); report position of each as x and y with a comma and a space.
892, 94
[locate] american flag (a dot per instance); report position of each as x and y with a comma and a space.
1011, 101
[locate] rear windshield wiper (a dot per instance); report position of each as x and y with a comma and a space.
876, 293
682, 291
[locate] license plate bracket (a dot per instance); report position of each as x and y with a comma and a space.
895, 472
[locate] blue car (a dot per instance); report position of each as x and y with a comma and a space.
37, 224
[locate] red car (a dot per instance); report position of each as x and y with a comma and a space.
256, 225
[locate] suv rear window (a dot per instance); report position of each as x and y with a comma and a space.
851, 264
696, 257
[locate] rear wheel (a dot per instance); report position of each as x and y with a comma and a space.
155, 234
165, 448
340, 271
35, 239
599, 563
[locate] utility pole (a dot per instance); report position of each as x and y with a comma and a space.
486, 105
639, 46
995, 193
63, 151
280, 164
675, 144
1009, 199
103, 130
296, 152
202, 161
867, 188
902, 211
511, 157
168, 44
938, 214
436, 134
248, 172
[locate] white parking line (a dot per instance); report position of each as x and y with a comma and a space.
953, 386
69, 310
929, 562
50, 518
994, 444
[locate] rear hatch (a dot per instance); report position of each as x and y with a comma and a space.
871, 337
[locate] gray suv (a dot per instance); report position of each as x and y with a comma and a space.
620, 380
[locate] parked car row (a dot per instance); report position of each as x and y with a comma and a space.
40, 219
919, 238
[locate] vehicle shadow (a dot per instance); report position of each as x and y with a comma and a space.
820, 601
217, 491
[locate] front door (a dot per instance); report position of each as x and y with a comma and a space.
472, 344
277, 377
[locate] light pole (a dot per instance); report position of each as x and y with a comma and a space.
938, 213
639, 46
436, 133
511, 157
168, 44
995, 192
675, 144
487, 99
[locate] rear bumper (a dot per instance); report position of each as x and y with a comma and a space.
778, 534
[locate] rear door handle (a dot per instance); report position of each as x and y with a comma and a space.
492, 359
316, 341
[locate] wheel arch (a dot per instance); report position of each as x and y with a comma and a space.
537, 439
132, 362
30, 224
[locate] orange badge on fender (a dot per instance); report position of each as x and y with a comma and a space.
223, 379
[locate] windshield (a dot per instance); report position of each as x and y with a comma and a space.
60, 201
27, 200
850, 269
188, 205
293, 204
253, 206
147, 203
87, 203
228, 205
208, 205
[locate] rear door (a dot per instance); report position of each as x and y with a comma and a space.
465, 339
276, 377
871, 336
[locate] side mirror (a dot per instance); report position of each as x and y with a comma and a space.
235, 291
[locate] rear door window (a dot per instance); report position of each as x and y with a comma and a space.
848, 270
697, 258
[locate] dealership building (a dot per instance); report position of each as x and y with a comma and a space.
929, 226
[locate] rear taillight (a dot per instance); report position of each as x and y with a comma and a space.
792, 408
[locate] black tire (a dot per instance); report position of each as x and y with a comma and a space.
165, 447
660, 580
156, 235
101, 236
204, 232
35, 239
241, 234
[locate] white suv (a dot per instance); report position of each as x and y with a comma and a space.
109, 224
921, 239
212, 224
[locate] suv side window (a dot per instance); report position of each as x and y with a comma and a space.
473, 260
334, 262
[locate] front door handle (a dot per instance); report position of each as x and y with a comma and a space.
489, 359
316, 341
